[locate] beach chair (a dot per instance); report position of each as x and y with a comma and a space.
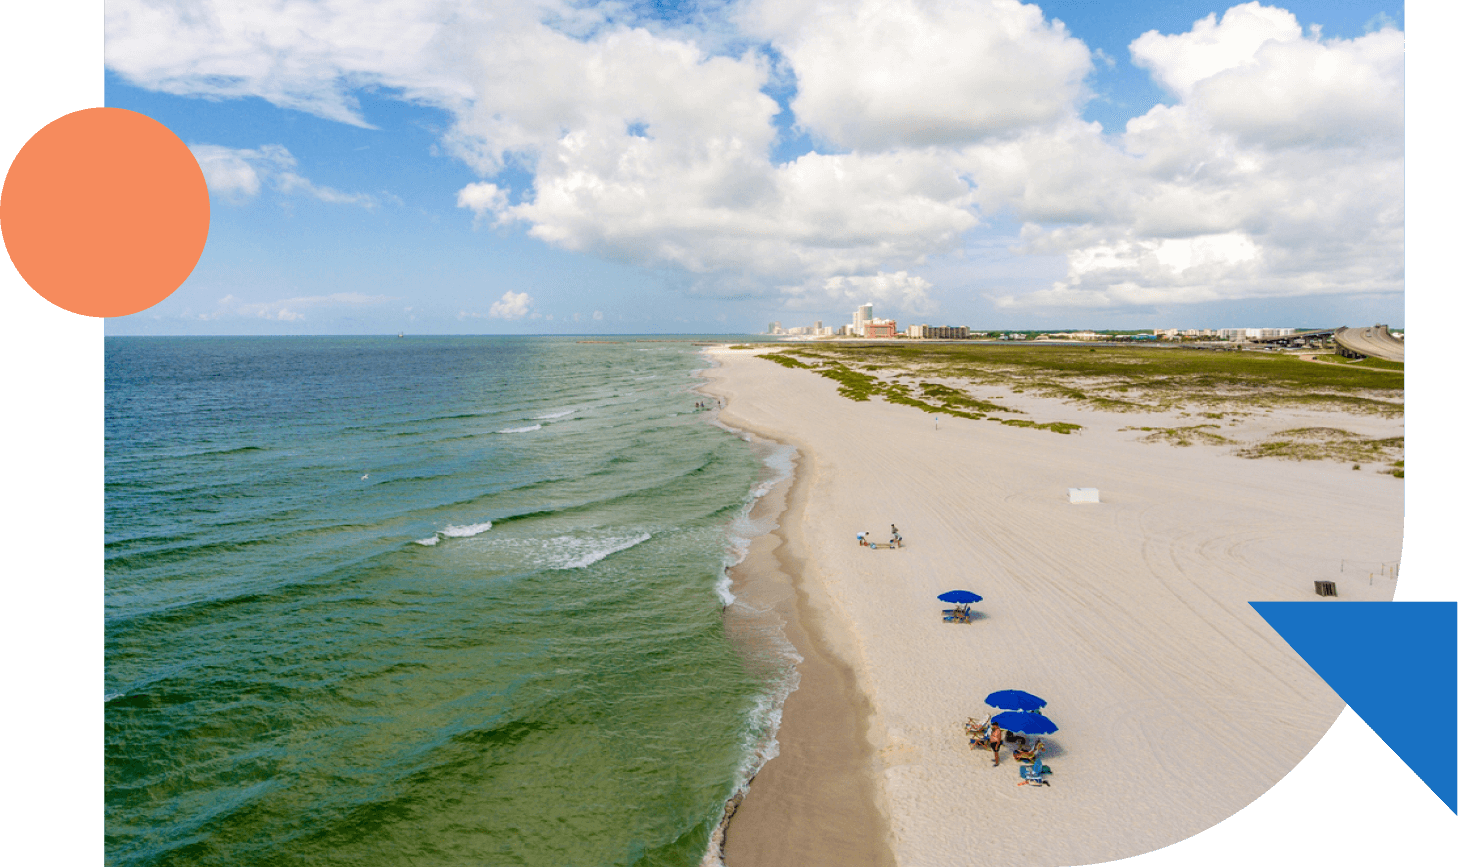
1033, 774
1026, 756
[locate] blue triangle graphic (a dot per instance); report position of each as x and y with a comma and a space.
1396, 665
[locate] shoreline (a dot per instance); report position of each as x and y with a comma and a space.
815, 801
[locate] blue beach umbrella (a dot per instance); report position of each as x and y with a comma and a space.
960, 596
1015, 699
1025, 723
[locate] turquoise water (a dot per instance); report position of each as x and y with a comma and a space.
422, 601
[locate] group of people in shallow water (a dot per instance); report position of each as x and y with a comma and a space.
703, 405
864, 539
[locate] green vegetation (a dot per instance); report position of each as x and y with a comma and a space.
1183, 436
1135, 378
1324, 443
932, 397
938, 378
786, 360
1378, 364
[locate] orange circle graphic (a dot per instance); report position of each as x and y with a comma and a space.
104, 212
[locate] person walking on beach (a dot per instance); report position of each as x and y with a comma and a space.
994, 740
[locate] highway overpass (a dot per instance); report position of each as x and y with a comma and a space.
1375, 341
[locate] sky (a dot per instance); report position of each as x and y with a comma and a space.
541, 166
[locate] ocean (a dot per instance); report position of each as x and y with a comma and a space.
426, 600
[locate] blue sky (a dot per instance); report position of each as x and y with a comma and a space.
560, 167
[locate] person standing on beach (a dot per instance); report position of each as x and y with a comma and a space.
994, 740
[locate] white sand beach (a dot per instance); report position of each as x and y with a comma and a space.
1176, 704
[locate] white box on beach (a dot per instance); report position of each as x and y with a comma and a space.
1083, 495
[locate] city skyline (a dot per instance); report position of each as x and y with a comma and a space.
707, 168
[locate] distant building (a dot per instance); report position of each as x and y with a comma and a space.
879, 328
1240, 335
938, 332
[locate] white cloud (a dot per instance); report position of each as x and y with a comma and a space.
1274, 169
1180, 61
1255, 75
513, 305
294, 53
238, 174
597, 315
886, 73
900, 290
482, 198
1277, 174
289, 309
234, 173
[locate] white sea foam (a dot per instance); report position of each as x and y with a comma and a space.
573, 552
778, 460
760, 739
112, 695
528, 429
456, 531
462, 531
565, 412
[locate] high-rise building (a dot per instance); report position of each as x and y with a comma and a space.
862, 316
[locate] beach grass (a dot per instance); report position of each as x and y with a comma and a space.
1183, 436
860, 384
1117, 379
1325, 443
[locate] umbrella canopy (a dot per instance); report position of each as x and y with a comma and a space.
1025, 723
1015, 699
960, 596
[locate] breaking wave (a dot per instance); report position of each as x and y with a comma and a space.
456, 531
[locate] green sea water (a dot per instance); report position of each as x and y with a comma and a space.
423, 601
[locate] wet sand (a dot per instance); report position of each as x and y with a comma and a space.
814, 803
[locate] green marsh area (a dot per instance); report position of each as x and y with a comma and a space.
1213, 385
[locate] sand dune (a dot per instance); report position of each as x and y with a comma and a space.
1177, 705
